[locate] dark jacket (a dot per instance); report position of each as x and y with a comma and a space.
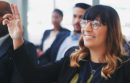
8, 71
62, 32
60, 71
51, 54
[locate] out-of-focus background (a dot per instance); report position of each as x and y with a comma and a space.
36, 15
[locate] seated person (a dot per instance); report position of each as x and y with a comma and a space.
8, 71
57, 34
69, 41
73, 38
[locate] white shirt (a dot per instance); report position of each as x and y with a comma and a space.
70, 41
48, 42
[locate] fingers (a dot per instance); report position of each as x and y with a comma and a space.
8, 16
5, 21
12, 8
15, 11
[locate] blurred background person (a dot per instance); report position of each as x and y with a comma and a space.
126, 45
57, 34
73, 38
54, 54
8, 71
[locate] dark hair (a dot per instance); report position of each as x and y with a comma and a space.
4, 8
82, 5
114, 41
109, 17
58, 11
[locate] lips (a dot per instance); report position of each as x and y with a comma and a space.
77, 25
88, 36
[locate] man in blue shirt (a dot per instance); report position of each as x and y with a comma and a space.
73, 38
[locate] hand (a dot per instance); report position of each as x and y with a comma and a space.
13, 22
39, 52
15, 29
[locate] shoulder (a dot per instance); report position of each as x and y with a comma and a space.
49, 30
29, 44
125, 66
64, 29
125, 62
71, 50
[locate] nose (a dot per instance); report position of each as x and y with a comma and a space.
77, 20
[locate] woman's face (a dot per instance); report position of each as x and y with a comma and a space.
94, 33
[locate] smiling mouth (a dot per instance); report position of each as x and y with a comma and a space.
88, 37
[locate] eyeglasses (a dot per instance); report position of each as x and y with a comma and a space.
95, 24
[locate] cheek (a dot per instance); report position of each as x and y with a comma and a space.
101, 36
73, 21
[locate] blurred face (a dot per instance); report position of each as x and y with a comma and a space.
56, 19
94, 33
4, 9
77, 14
3, 28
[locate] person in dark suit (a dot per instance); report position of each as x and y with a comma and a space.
57, 34
8, 71
101, 57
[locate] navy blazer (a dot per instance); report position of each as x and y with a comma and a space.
51, 53
62, 32
8, 71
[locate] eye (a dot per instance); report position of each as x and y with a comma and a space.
83, 23
95, 23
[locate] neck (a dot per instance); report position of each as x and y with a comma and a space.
77, 32
56, 28
97, 55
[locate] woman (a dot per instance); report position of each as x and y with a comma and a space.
100, 59
57, 34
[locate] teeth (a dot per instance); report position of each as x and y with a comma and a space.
89, 36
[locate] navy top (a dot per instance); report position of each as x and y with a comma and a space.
85, 72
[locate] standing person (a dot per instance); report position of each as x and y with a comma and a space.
101, 57
8, 71
57, 34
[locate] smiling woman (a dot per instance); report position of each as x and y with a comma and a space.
101, 41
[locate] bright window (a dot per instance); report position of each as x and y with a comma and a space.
39, 16
123, 9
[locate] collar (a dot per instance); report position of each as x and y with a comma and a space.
75, 36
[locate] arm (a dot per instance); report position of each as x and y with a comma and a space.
15, 29
23, 59
31, 72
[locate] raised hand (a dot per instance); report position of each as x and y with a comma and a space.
15, 29
13, 22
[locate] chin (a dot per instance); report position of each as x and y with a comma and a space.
89, 45
78, 31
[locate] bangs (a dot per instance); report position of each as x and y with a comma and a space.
98, 11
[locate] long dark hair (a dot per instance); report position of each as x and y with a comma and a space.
115, 49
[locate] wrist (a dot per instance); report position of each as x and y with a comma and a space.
17, 43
